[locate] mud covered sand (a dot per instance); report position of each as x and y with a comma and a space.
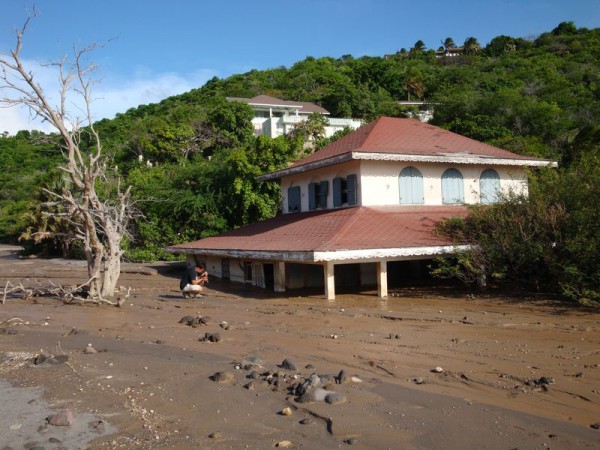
515, 374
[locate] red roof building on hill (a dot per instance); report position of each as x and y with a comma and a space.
362, 211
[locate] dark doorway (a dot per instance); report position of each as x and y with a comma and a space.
269, 272
347, 276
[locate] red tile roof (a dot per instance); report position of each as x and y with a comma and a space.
408, 137
356, 228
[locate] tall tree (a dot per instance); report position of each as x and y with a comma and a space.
471, 46
98, 208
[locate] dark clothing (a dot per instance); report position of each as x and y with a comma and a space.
188, 277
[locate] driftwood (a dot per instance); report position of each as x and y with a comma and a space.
67, 294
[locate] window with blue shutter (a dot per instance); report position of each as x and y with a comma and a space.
323, 191
294, 199
351, 197
489, 186
337, 192
410, 185
344, 191
312, 196
452, 187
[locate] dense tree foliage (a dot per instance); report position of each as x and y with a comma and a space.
193, 159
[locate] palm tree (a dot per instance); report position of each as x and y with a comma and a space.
419, 46
449, 43
471, 46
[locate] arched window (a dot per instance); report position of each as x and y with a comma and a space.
489, 186
410, 184
452, 187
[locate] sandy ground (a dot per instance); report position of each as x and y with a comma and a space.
517, 373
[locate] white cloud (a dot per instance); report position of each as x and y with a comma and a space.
111, 95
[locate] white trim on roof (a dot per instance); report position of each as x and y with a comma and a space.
341, 256
448, 158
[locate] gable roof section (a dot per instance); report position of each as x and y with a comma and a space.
397, 139
267, 100
349, 233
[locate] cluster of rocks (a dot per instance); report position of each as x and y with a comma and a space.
313, 388
194, 321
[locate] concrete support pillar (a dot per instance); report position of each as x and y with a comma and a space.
329, 281
382, 288
279, 269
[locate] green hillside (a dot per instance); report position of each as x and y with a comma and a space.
193, 159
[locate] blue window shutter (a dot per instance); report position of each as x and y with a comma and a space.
323, 191
489, 186
337, 192
452, 187
294, 199
312, 196
410, 184
351, 189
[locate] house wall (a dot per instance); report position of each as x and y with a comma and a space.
314, 176
378, 181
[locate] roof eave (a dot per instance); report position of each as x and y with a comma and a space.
374, 156
363, 255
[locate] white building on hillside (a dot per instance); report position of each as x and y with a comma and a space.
274, 117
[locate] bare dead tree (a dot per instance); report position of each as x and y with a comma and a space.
100, 222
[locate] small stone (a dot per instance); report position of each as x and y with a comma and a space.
250, 386
284, 444
223, 377
288, 365
351, 441
89, 350
595, 426
62, 419
437, 369
335, 398
306, 421
224, 325
286, 411
54, 440
216, 435
419, 380
341, 378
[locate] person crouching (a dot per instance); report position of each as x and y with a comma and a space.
192, 281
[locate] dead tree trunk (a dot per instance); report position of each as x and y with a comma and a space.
99, 222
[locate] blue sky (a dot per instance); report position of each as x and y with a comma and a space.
159, 48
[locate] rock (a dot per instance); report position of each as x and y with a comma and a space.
223, 377
284, 444
210, 337
350, 441
595, 426
437, 369
309, 367
341, 378
216, 435
62, 419
307, 397
188, 320
224, 325
306, 421
89, 350
544, 381
419, 380
320, 394
286, 411
254, 375
251, 362
335, 398
288, 365
250, 386
54, 440
356, 380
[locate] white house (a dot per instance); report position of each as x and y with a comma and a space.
362, 211
274, 117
